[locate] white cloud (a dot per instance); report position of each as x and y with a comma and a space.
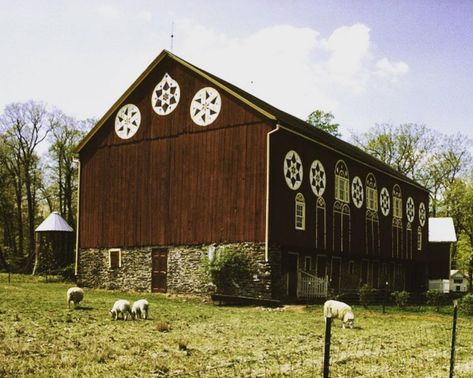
108, 11
290, 67
392, 70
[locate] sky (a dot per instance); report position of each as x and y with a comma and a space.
367, 62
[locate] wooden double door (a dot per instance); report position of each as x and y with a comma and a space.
159, 270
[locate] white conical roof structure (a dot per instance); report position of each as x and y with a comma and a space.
54, 222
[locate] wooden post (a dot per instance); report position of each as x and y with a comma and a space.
328, 333
37, 252
454, 336
385, 297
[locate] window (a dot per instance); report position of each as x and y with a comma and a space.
419, 238
397, 202
342, 182
320, 224
114, 258
371, 193
300, 212
351, 267
458, 280
308, 263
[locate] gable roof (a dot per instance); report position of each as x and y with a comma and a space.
277, 116
442, 230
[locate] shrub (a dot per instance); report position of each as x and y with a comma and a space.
68, 273
229, 268
466, 304
367, 295
435, 298
400, 298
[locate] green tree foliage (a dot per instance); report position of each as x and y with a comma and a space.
30, 180
430, 158
459, 205
325, 121
400, 298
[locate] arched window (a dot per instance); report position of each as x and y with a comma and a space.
371, 193
372, 219
342, 182
397, 202
419, 238
341, 227
409, 240
320, 224
300, 212
397, 247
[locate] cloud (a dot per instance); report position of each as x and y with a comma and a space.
108, 12
292, 68
392, 70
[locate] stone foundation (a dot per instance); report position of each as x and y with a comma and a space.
185, 270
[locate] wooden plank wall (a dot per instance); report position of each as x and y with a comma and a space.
282, 203
175, 182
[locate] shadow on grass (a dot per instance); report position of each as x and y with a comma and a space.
84, 308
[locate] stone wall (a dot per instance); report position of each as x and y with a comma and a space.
134, 274
186, 273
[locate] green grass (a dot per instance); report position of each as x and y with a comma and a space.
40, 336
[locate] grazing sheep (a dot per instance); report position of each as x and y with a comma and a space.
74, 295
339, 310
122, 307
140, 309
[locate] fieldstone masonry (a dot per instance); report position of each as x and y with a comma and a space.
185, 274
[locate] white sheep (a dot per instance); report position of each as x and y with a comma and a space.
74, 295
122, 307
140, 309
339, 310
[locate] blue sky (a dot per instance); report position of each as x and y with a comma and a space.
366, 61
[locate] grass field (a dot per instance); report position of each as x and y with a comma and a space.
40, 336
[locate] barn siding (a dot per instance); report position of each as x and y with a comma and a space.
175, 182
282, 229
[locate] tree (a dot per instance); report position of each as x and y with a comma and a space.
432, 159
24, 127
325, 121
459, 205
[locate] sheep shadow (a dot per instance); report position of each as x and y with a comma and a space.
84, 308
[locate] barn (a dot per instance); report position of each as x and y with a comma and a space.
185, 164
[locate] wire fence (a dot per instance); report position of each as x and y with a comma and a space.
425, 352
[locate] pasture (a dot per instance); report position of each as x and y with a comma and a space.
40, 336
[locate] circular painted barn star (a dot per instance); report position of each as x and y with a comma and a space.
293, 171
357, 192
127, 121
422, 214
410, 209
165, 96
317, 178
205, 106
385, 202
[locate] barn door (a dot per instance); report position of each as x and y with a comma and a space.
159, 270
290, 268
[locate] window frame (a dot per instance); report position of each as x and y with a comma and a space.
114, 250
299, 220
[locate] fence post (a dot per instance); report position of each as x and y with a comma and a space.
454, 336
385, 297
328, 333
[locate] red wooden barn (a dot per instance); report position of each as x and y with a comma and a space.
185, 163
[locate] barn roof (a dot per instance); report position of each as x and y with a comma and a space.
273, 114
442, 230
54, 222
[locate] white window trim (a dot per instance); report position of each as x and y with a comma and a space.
300, 202
372, 199
419, 239
119, 257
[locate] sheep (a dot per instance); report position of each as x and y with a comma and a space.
140, 309
74, 295
122, 307
339, 310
